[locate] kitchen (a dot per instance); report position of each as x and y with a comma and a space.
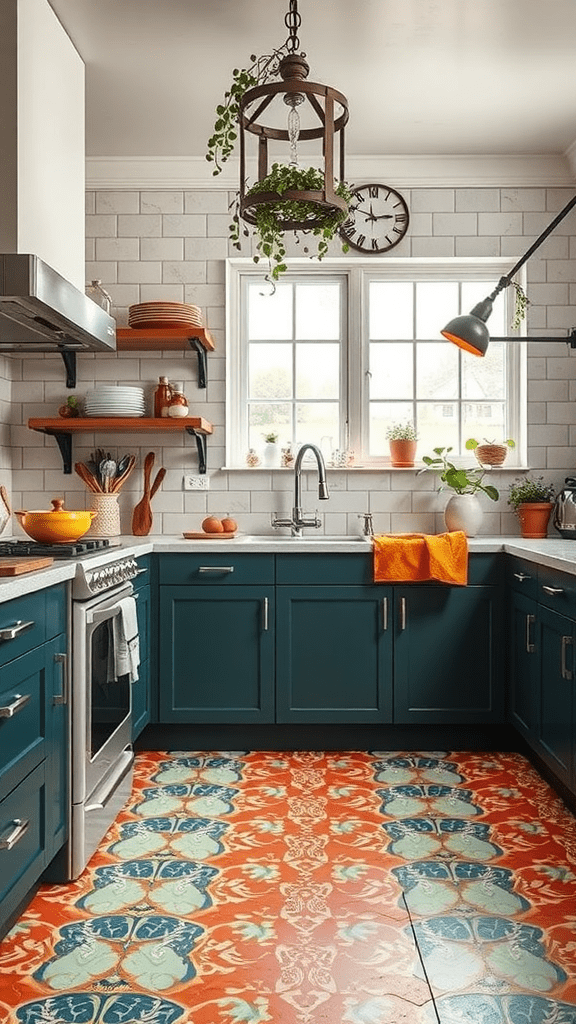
157, 229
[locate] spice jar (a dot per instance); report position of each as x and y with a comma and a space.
162, 396
178, 404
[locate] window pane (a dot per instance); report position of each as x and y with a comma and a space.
485, 378
268, 418
317, 420
317, 371
392, 371
270, 371
437, 426
436, 304
486, 421
382, 416
269, 316
391, 309
437, 370
475, 291
318, 311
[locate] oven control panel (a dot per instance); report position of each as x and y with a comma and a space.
91, 581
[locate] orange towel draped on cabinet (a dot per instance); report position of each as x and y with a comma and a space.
408, 557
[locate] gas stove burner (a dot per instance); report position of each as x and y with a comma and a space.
31, 547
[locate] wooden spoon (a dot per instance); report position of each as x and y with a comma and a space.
87, 477
157, 481
122, 477
142, 514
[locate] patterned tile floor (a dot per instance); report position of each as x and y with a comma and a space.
310, 888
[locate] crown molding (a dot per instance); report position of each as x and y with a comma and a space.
193, 173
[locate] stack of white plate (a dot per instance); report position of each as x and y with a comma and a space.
164, 314
115, 400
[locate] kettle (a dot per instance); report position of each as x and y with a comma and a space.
564, 515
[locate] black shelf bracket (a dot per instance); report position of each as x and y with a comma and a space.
64, 442
202, 361
201, 446
69, 358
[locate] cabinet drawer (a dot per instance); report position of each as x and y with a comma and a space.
31, 608
215, 569
323, 568
557, 590
522, 576
23, 721
21, 864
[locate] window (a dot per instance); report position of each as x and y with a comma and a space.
342, 349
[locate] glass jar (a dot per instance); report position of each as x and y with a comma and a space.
178, 404
99, 295
162, 397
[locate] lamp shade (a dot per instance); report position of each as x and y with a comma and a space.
469, 331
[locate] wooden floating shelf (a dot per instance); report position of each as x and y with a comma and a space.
135, 424
135, 339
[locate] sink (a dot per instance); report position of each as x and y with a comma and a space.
306, 539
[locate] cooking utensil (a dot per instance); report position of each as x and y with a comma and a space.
122, 465
142, 514
121, 478
157, 481
107, 470
56, 526
87, 477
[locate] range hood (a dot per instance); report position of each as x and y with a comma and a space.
42, 312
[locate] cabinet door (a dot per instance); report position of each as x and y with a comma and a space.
216, 654
448, 654
556, 698
58, 747
141, 698
334, 654
523, 664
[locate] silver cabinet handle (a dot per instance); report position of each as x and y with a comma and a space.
11, 632
520, 576
140, 571
384, 614
265, 614
564, 670
402, 613
552, 591
19, 702
18, 827
530, 645
216, 568
62, 698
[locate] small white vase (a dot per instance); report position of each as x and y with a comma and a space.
464, 512
271, 456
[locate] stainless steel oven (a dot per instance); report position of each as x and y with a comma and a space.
101, 708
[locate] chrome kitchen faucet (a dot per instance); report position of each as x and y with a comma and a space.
298, 520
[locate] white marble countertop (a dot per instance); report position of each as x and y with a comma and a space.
553, 552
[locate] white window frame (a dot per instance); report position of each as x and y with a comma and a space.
359, 273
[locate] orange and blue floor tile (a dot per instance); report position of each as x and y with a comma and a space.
349, 887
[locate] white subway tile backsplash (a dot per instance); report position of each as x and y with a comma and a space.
184, 225
162, 202
117, 202
117, 249
477, 200
162, 249
103, 226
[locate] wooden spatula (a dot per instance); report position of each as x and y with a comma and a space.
142, 514
157, 481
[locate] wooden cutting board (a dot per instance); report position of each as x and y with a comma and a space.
16, 566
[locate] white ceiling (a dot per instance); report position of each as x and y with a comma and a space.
421, 76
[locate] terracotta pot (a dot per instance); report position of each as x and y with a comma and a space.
491, 454
402, 453
464, 512
534, 517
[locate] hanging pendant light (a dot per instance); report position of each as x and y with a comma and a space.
262, 120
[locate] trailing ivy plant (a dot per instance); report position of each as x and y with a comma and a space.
520, 305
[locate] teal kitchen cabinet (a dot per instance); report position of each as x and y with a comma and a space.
34, 747
523, 646
333, 654
555, 724
141, 696
216, 642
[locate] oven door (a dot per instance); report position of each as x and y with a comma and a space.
102, 706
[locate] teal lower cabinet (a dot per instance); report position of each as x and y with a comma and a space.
555, 739
216, 653
333, 654
448, 654
141, 697
58, 749
523, 664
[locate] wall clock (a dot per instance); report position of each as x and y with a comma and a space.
378, 219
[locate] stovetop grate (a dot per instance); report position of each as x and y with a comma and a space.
31, 547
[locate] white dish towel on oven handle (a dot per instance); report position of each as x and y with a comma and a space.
126, 640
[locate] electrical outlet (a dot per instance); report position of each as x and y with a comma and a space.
196, 483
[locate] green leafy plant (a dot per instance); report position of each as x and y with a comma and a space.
402, 432
520, 305
221, 143
461, 481
472, 443
270, 438
529, 490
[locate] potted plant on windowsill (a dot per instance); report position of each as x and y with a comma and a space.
532, 500
271, 458
490, 453
463, 511
402, 439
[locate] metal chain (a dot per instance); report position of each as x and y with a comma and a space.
293, 22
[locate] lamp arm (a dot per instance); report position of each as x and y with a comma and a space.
535, 245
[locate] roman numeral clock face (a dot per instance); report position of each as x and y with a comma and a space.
378, 219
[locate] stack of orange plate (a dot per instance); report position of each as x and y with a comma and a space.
164, 314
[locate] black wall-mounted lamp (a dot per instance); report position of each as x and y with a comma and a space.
469, 331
